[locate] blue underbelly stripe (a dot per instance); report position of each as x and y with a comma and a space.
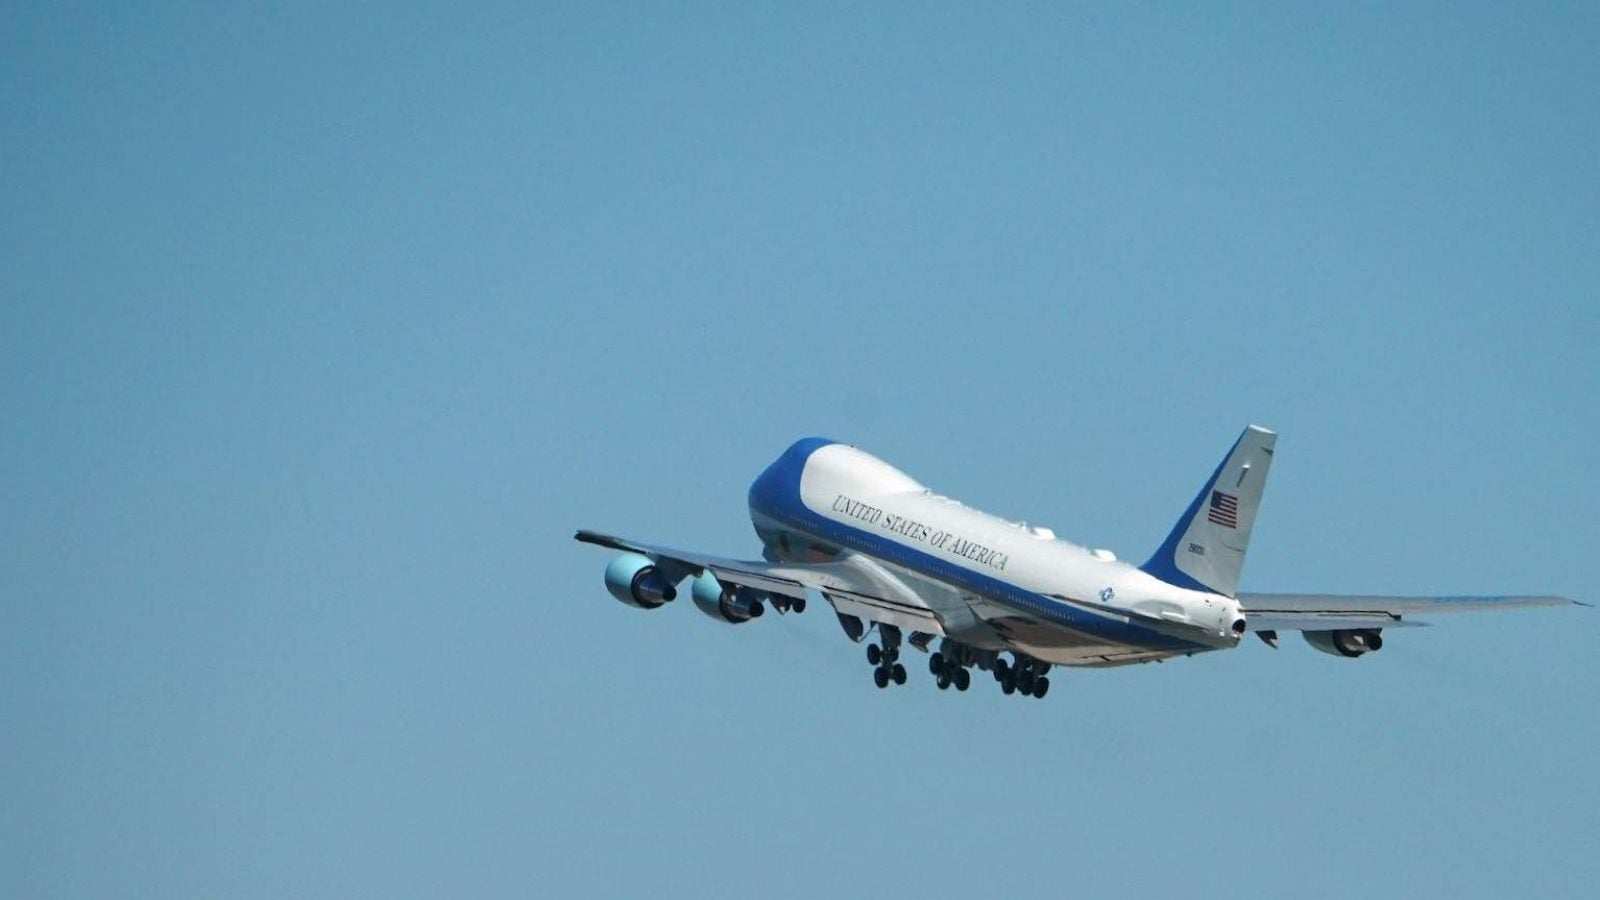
800, 517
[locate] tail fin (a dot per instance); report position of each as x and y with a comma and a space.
1205, 551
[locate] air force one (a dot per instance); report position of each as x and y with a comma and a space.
890, 554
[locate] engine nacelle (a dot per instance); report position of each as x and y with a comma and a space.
635, 580
725, 604
1349, 644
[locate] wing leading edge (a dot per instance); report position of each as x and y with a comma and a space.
1320, 612
853, 586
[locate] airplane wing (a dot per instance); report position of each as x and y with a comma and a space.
1327, 612
855, 586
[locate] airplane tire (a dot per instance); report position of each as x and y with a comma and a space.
1026, 682
880, 677
943, 681
874, 654
936, 663
1008, 685
1041, 687
963, 679
798, 604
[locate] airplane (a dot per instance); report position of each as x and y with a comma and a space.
893, 556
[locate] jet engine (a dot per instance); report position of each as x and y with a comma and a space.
1349, 644
635, 580
724, 603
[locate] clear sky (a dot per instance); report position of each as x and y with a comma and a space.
323, 326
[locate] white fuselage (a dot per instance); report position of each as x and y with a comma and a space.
994, 584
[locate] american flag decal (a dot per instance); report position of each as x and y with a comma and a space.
1224, 509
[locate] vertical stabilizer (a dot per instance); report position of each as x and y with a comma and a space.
1205, 551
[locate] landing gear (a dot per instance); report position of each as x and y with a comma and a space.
1026, 675
886, 659
951, 664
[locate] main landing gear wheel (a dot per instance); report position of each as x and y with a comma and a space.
1023, 675
885, 657
798, 604
954, 662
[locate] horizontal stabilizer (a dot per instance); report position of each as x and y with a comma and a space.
1326, 612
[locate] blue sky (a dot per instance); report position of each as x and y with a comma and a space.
325, 326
